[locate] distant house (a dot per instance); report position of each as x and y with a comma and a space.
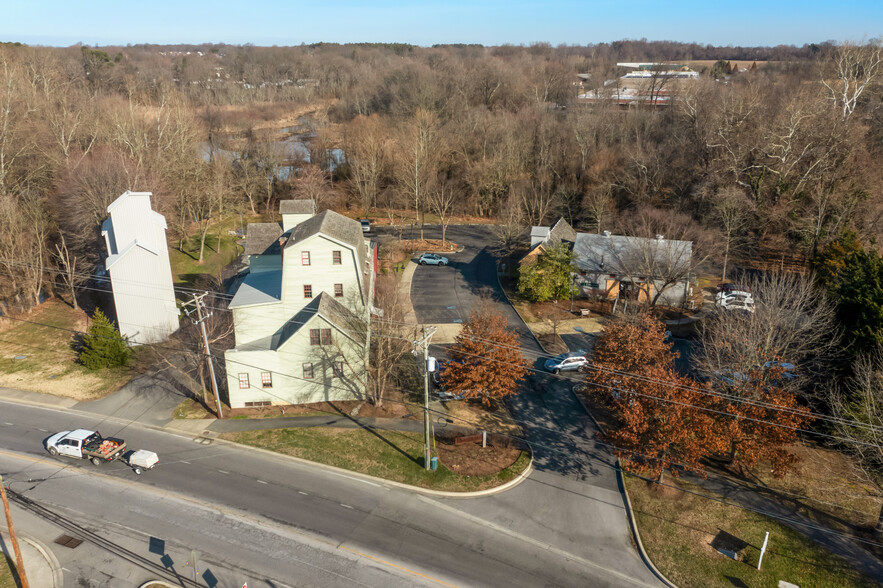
302, 311
139, 268
622, 267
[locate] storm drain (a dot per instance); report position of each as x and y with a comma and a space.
202, 440
68, 541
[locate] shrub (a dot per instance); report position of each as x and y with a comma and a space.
103, 346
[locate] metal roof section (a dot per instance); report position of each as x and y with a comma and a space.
538, 235
263, 239
606, 253
259, 288
112, 259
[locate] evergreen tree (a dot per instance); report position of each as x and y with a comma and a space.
549, 277
103, 346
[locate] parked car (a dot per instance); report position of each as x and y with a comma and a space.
566, 362
735, 300
432, 259
729, 287
439, 386
366, 225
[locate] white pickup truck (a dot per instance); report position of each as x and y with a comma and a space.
86, 444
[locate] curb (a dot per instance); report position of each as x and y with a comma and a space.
629, 510
384, 482
54, 564
524, 322
183, 434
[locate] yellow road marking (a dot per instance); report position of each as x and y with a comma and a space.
398, 567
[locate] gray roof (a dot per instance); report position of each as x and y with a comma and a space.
561, 232
297, 207
259, 288
323, 305
335, 226
263, 239
637, 256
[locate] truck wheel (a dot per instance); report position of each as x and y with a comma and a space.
138, 471
96, 461
53, 451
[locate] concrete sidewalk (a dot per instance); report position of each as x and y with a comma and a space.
41, 566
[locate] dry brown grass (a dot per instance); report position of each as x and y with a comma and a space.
45, 336
469, 413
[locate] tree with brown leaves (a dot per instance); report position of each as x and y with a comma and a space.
485, 362
662, 425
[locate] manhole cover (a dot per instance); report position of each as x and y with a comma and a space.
68, 541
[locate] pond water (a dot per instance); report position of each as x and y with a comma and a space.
293, 146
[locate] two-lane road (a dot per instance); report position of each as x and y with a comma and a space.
411, 537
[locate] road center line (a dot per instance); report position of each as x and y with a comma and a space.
304, 493
224, 471
262, 482
9, 424
346, 506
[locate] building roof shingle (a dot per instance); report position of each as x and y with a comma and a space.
297, 207
263, 239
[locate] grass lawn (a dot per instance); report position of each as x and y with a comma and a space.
677, 531
6, 578
391, 455
49, 365
185, 267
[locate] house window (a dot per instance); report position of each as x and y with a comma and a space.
308, 291
338, 290
308, 371
305, 258
335, 257
320, 336
257, 403
266, 380
243, 381
337, 366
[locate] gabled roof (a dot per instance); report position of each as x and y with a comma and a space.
337, 227
112, 259
263, 239
561, 232
324, 306
153, 216
259, 288
297, 207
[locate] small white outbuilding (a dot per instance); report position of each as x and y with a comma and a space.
139, 269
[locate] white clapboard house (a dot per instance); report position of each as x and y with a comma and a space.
301, 312
139, 269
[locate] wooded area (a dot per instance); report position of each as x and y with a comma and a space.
779, 158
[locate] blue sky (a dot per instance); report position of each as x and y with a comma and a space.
490, 22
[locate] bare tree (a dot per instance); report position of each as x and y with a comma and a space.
731, 210
418, 159
510, 229
441, 198
661, 249
791, 322
67, 263
598, 203
365, 145
858, 410
855, 67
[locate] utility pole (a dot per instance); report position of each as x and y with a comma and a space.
428, 332
19, 564
200, 320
